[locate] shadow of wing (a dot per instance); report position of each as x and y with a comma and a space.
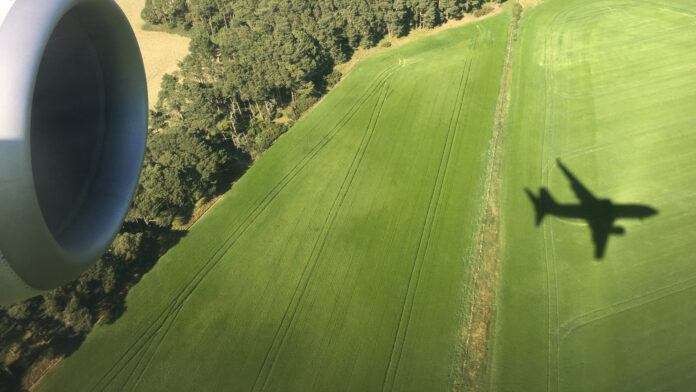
600, 237
580, 190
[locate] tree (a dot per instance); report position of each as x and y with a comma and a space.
429, 13
451, 9
77, 317
397, 18
19, 311
127, 245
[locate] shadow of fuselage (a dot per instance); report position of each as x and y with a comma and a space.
600, 214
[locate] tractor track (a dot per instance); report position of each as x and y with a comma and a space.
392, 368
287, 321
168, 315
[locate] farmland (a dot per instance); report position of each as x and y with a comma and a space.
339, 260
609, 87
347, 258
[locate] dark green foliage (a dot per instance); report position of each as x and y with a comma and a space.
18, 311
261, 134
41, 326
126, 245
486, 8
333, 78
429, 13
397, 19
169, 12
180, 168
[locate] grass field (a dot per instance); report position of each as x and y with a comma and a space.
341, 260
608, 86
338, 261
161, 51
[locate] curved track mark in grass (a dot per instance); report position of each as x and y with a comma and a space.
619, 307
548, 162
632, 135
676, 10
287, 321
555, 329
414, 277
169, 313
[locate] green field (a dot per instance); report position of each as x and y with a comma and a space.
342, 259
610, 88
338, 261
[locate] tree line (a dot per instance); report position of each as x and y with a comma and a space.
254, 67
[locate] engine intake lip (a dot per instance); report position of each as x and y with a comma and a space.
73, 122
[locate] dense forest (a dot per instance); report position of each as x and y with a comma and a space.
254, 67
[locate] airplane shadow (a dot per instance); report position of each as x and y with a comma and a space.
600, 214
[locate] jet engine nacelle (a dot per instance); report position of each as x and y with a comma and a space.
73, 122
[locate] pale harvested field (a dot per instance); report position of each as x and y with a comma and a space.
161, 51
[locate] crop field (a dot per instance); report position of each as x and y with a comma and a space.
342, 260
609, 88
339, 261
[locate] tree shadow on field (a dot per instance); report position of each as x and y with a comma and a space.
600, 214
116, 312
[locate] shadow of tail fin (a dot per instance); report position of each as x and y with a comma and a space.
541, 203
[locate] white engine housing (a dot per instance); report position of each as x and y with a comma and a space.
73, 123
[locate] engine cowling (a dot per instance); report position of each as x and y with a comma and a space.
73, 123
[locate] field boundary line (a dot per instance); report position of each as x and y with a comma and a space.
480, 303
637, 301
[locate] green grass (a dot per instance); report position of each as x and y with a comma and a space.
338, 261
608, 86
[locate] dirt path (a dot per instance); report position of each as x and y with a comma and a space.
161, 51
480, 311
